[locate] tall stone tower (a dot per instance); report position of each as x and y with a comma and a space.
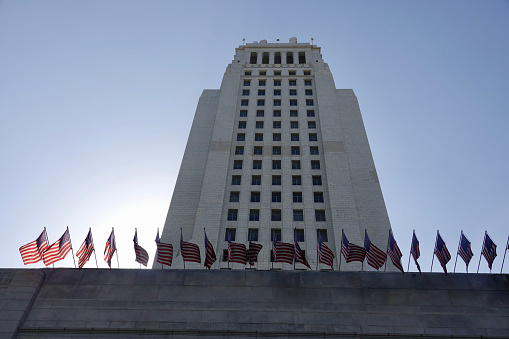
277, 150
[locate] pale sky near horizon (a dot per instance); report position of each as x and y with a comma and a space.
97, 100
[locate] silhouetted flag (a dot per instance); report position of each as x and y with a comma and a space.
189, 251
394, 253
111, 247
210, 255
441, 252
465, 250
254, 249
31, 253
85, 251
352, 252
237, 252
164, 253
489, 250
375, 256
415, 251
141, 254
325, 254
58, 250
300, 256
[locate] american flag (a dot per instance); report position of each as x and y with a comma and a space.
464, 249
414, 250
489, 250
352, 252
189, 251
441, 252
254, 249
395, 253
375, 256
141, 254
58, 250
237, 252
164, 253
32, 252
325, 255
283, 252
85, 251
300, 256
111, 247
210, 255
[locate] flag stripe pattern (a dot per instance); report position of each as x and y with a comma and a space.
111, 247
31, 253
164, 253
414, 250
300, 256
442, 252
489, 250
237, 253
254, 249
352, 252
141, 254
58, 250
325, 255
210, 255
283, 252
189, 251
85, 251
394, 253
375, 256
465, 250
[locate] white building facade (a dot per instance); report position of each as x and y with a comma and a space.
277, 150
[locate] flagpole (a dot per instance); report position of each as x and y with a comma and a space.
480, 256
340, 251
387, 250
433, 258
294, 239
411, 244
505, 252
116, 250
457, 252
157, 255
70, 242
181, 248
362, 265
92, 238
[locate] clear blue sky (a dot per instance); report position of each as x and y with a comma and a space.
97, 100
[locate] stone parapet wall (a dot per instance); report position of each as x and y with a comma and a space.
55, 303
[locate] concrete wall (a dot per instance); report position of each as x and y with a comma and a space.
190, 303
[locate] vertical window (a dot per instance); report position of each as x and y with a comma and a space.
313, 137
252, 234
292, 92
257, 164
276, 113
225, 255
277, 92
296, 164
254, 215
276, 164
275, 215
277, 58
292, 82
322, 234
276, 136
299, 234
296, 180
254, 58
311, 113
309, 102
297, 196
294, 113
293, 102
277, 82
242, 124
276, 196
318, 196
234, 196
244, 102
294, 137
317, 180
298, 215
309, 92
237, 164
235, 179
256, 180
275, 233
311, 124
261, 92
230, 234
260, 113
307, 82
239, 150
276, 150
259, 124
320, 215
295, 150
232, 215
313, 150
315, 164
247, 82
292, 72
245, 92
277, 102
276, 180
255, 196
294, 124
257, 150
241, 137
243, 113
307, 72
259, 137
247, 73
260, 102
276, 124
289, 57
262, 73
302, 57
265, 58
261, 82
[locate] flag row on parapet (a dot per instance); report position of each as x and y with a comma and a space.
283, 252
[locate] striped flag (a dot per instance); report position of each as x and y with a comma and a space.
254, 249
300, 256
489, 250
465, 250
394, 253
442, 252
31, 253
325, 255
141, 254
189, 251
375, 256
164, 253
210, 255
414, 250
352, 252
85, 251
283, 252
237, 252
111, 247
58, 250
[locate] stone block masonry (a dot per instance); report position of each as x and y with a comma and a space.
57, 303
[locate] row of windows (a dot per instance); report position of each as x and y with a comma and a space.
275, 215
277, 137
277, 102
290, 72
301, 58
276, 124
275, 233
276, 197
291, 92
256, 180
277, 82
276, 164
277, 113
276, 150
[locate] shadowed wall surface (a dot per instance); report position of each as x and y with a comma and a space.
55, 303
